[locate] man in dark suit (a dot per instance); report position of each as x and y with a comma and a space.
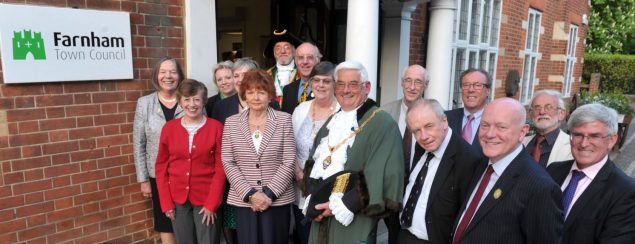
513, 198
598, 198
475, 89
439, 181
307, 56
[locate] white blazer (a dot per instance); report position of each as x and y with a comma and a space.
561, 150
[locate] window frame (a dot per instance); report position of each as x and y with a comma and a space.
531, 55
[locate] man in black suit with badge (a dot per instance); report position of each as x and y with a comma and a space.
598, 198
439, 180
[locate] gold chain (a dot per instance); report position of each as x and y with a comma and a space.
327, 160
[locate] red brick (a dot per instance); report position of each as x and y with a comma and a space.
90, 132
8, 202
108, 108
34, 209
110, 119
90, 218
60, 170
28, 139
36, 232
81, 87
48, 100
64, 236
89, 165
25, 114
88, 154
28, 127
108, 86
64, 203
58, 159
87, 144
56, 124
12, 178
108, 97
62, 192
7, 103
53, 88
31, 151
9, 153
112, 140
59, 135
32, 198
6, 215
61, 181
30, 163
104, 4
5, 191
8, 238
110, 130
4, 141
85, 121
149, 8
92, 208
24, 102
114, 182
11, 226
60, 147
96, 238
22, 90
87, 176
89, 229
129, 7
64, 214
55, 112
83, 98
82, 110
136, 207
114, 222
32, 186
35, 220
175, 11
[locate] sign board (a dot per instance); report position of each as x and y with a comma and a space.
44, 44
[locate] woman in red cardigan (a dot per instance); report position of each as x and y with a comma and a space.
189, 171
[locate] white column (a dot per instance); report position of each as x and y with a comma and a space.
362, 37
439, 56
200, 41
395, 52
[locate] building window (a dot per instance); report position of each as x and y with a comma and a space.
476, 32
530, 56
570, 60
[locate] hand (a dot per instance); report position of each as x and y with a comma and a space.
299, 175
170, 214
326, 213
260, 202
146, 189
208, 216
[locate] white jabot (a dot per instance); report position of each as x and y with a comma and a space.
283, 76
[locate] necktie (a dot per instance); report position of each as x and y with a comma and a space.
536, 153
407, 145
409, 208
467, 129
469, 213
305, 89
567, 197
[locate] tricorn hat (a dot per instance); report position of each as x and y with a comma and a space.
280, 36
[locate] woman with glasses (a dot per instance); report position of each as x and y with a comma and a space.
308, 118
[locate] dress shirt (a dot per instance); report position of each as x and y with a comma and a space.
418, 227
589, 174
546, 147
475, 123
402, 128
301, 88
499, 168
283, 76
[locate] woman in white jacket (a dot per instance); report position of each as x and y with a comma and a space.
308, 118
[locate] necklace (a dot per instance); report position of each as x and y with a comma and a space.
257, 133
165, 99
327, 161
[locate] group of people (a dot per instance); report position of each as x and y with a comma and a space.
301, 147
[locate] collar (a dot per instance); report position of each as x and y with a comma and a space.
592, 170
501, 165
288, 67
477, 115
552, 136
364, 108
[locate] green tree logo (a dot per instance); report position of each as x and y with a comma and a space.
25, 42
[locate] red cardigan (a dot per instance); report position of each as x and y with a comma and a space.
197, 176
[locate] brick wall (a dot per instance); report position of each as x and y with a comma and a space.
66, 165
512, 40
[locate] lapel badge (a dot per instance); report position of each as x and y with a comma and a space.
497, 193
312, 94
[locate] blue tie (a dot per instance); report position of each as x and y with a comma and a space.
567, 197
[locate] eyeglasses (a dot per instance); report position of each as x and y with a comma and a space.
593, 138
547, 108
410, 82
476, 86
325, 81
354, 86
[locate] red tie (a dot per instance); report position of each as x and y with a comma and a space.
469, 213
536, 153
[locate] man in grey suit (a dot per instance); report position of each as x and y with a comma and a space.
414, 82
513, 199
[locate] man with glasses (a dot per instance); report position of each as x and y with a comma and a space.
598, 198
307, 56
281, 46
475, 90
359, 138
550, 144
414, 82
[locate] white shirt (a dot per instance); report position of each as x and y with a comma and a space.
499, 167
283, 76
589, 174
418, 227
475, 123
402, 128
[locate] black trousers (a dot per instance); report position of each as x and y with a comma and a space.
268, 227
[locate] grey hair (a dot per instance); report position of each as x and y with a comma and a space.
227, 64
552, 93
245, 62
426, 74
354, 65
433, 104
594, 112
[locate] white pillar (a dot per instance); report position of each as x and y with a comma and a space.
200, 41
362, 37
439, 56
395, 52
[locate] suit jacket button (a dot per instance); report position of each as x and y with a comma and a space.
258, 182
